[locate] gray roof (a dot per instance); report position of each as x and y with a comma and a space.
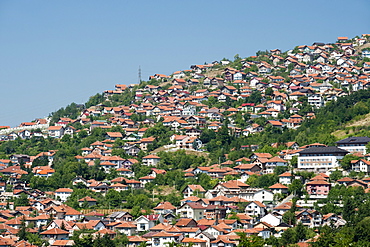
118, 214
354, 140
323, 150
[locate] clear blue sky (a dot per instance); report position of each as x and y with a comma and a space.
53, 53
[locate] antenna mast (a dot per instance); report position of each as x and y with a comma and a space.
139, 74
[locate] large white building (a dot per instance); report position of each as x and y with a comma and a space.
320, 159
354, 144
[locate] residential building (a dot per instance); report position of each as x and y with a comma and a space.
320, 159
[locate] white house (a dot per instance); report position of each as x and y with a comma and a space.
361, 166
151, 160
192, 210
257, 194
161, 239
285, 178
145, 222
63, 194
255, 208
56, 131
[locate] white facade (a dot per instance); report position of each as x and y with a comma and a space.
361, 166
63, 196
258, 195
316, 100
320, 159
285, 180
186, 211
254, 209
318, 162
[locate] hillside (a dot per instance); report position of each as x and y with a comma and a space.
352, 127
224, 138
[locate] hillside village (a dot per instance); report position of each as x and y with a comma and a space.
180, 158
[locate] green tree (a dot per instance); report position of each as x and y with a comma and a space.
22, 233
294, 161
335, 175
22, 200
269, 91
362, 230
289, 218
296, 187
249, 241
289, 236
113, 198
346, 161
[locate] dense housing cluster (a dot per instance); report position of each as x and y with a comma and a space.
211, 156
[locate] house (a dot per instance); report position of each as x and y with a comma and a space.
87, 199
274, 162
193, 189
257, 194
63, 243
164, 208
255, 208
126, 227
352, 182
56, 131
283, 208
78, 180
178, 74
120, 216
285, 178
279, 188
191, 210
271, 219
55, 234
361, 166
145, 222
195, 242
310, 218
333, 219
135, 241
114, 135
316, 100
146, 179
69, 130
63, 193
186, 222
161, 239
319, 188
25, 134
151, 160
228, 189
215, 212
19, 158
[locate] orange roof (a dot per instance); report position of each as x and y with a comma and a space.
55, 128
137, 239
193, 240
64, 190
151, 156
54, 231
263, 155
278, 186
